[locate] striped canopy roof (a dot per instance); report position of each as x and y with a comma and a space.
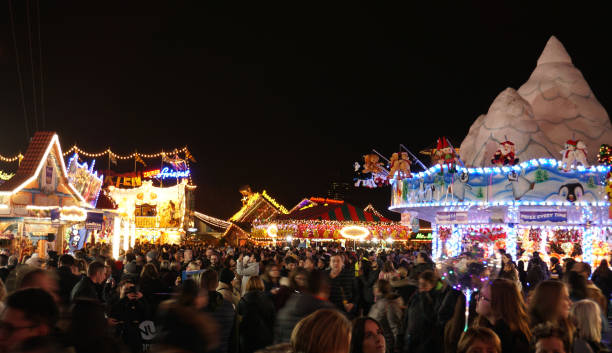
343, 212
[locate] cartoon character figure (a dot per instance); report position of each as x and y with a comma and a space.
505, 154
400, 166
371, 164
460, 184
574, 153
519, 185
571, 192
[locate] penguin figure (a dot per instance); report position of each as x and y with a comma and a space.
519, 184
460, 185
571, 192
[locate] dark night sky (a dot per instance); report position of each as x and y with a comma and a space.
284, 97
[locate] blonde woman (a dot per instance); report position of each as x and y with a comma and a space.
587, 318
324, 331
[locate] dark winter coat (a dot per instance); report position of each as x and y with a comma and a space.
151, 289
511, 341
426, 316
344, 287
256, 327
420, 268
85, 288
298, 307
222, 311
130, 314
66, 281
366, 285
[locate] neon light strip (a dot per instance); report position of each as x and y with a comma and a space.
501, 203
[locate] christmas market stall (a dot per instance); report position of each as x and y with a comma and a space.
528, 177
44, 203
319, 219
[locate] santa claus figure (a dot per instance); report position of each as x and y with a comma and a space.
505, 154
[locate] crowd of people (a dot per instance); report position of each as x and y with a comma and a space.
302, 300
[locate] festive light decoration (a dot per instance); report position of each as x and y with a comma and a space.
605, 154
212, 220
108, 151
18, 157
354, 232
330, 229
87, 182
273, 202
6, 176
43, 160
272, 231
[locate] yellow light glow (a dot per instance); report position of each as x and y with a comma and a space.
116, 237
126, 235
354, 232
272, 231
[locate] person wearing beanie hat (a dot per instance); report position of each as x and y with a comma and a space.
225, 288
130, 270
151, 257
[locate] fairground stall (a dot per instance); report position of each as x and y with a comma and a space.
322, 220
528, 176
153, 200
46, 206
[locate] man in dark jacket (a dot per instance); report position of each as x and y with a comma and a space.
4, 270
343, 292
67, 280
222, 311
423, 263
86, 287
301, 305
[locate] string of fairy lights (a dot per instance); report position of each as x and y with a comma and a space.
108, 151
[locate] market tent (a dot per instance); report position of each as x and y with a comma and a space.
341, 212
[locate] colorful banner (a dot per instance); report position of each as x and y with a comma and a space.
84, 179
543, 217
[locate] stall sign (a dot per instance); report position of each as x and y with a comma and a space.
144, 222
94, 221
421, 236
451, 217
543, 216
169, 173
122, 180
150, 173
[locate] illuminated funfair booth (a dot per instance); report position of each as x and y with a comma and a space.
322, 220
45, 205
529, 175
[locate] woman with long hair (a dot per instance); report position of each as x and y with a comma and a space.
501, 308
387, 310
550, 301
257, 311
388, 272
367, 336
480, 339
271, 278
324, 331
587, 318
602, 277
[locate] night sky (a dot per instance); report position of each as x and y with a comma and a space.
281, 96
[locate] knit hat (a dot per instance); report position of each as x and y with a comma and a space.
131, 267
152, 255
226, 276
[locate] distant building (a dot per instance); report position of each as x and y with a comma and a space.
338, 190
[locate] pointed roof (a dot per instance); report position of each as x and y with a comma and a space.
41, 144
554, 52
212, 221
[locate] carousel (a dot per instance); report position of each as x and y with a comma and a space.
532, 174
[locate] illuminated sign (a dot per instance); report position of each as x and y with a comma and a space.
150, 173
272, 231
169, 173
354, 232
87, 182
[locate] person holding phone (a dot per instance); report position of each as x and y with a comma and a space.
127, 313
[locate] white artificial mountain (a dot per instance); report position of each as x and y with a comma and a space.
556, 104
